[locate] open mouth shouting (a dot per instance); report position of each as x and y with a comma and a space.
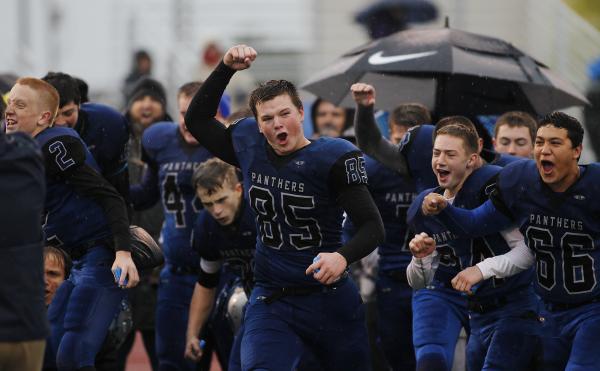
282, 138
547, 167
443, 175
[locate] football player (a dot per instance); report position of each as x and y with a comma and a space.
103, 129
393, 194
225, 235
502, 313
553, 200
87, 217
298, 190
413, 157
514, 134
172, 154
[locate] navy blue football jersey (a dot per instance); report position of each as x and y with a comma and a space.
171, 163
457, 253
503, 159
392, 194
417, 147
106, 133
563, 229
71, 220
232, 245
294, 199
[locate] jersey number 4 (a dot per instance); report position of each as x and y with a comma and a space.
308, 230
173, 199
577, 265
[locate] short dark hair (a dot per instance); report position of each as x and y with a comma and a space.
189, 89
410, 114
517, 119
239, 114
83, 89
271, 89
454, 120
563, 121
213, 175
464, 132
67, 87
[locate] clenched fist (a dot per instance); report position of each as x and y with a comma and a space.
239, 57
421, 245
363, 94
433, 204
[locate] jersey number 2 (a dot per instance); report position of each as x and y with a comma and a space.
60, 155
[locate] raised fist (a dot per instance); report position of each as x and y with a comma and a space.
363, 94
239, 57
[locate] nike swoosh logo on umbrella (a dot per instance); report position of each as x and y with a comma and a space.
378, 58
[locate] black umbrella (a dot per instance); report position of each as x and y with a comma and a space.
450, 71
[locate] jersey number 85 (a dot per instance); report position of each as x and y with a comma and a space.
303, 232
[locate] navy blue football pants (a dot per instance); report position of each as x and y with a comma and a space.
571, 338
174, 296
329, 324
507, 338
394, 322
235, 360
83, 308
439, 313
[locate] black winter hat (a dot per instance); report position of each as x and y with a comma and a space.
148, 87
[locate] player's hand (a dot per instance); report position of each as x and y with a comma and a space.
129, 275
421, 245
193, 351
239, 57
327, 267
467, 278
433, 204
363, 94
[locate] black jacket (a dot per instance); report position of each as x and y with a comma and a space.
22, 194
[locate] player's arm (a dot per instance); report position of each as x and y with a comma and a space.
65, 158
120, 180
348, 180
421, 269
368, 136
483, 220
201, 305
200, 116
518, 259
146, 194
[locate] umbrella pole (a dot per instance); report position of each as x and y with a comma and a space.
440, 102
